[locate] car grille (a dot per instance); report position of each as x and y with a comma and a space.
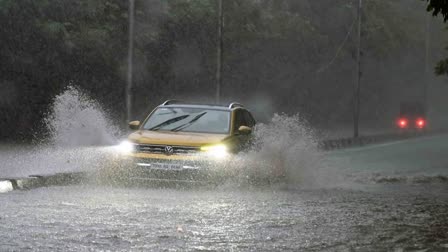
160, 149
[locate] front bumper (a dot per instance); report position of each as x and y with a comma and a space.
175, 168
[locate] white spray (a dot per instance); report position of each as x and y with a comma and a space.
286, 145
78, 129
77, 120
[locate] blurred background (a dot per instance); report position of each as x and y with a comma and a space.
284, 56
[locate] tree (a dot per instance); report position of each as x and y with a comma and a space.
273, 50
438, 7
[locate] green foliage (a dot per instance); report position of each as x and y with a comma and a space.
48, 43
384, 31
274, 47
442, 67
437, 7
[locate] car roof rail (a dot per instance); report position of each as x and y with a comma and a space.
235, 105
169, 102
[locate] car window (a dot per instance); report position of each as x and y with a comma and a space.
185, 119
240, 120
250, 122
243, 118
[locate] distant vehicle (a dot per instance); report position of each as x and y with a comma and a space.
184, 142
412, 116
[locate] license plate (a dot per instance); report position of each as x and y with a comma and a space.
166, 166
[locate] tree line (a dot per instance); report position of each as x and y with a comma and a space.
279, 56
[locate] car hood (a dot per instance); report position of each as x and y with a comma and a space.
176, 138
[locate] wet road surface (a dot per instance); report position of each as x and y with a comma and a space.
253, 219
383, 203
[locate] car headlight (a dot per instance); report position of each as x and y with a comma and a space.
216, 151
125, 147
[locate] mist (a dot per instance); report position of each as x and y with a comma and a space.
280, 169
294, 57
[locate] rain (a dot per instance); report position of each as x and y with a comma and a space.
223, 125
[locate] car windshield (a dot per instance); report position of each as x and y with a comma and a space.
189, 120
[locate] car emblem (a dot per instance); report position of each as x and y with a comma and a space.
169, 150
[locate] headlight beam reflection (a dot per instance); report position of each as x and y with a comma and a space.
125, 147
219, 151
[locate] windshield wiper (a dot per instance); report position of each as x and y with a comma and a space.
183, 126
168, 122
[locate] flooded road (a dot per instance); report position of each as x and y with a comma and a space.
403, 218
386, 197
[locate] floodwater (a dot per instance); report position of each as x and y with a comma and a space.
366, 208
80, 218
386, 197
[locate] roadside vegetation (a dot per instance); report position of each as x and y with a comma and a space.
292, 56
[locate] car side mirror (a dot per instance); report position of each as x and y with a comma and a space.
134, 125
244, 130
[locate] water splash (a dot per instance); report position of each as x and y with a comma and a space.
286, 146
77, 120
79, 133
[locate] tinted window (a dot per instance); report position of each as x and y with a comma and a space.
243, 118
240, 120
248, 119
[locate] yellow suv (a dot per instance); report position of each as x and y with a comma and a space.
180, 141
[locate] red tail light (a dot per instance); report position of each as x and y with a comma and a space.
402, 123
420, 123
